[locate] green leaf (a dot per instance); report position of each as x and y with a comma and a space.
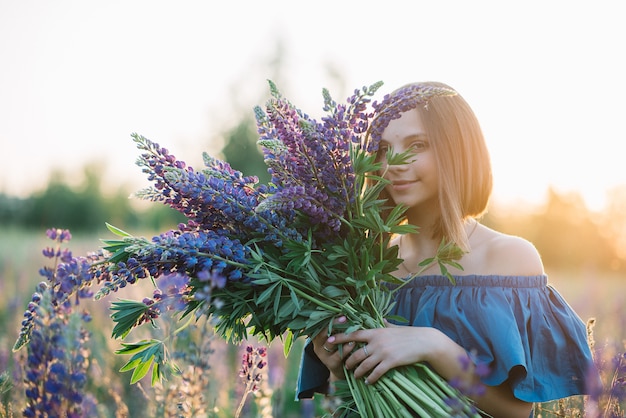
126, 315
156, 374
146, 354
288, 343
287, 310
426, 261
397, 318
112, 244
334, 292
352, 328
277, 306
133, 348
267, 293
130, 365
141, 370
117, 231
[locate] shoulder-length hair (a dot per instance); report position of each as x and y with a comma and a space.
465, 176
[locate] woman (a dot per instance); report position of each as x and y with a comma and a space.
500, 313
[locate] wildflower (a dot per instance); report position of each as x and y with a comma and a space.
57, 355
56, 361
474, 388
252, 364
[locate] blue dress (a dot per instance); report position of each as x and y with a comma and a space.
519, 326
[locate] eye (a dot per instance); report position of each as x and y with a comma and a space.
383, 150
418, 146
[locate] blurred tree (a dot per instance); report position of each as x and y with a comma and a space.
82, 209
242, 152
59, 206
565, 232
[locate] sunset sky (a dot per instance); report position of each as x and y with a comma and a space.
546, 79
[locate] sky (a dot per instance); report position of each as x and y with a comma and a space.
77, 78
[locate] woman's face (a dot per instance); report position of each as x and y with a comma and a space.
415, 184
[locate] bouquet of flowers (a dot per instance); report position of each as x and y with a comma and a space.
282, 259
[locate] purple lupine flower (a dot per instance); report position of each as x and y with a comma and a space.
59, 235
188, 254
173, 292
216, 198
471, 389
70, 276
73, 277
30, 315
310, 162
253, 360
194, 193
57, 358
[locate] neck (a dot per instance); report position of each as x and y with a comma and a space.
426, 219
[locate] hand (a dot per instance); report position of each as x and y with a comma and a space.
382, 349
329, 353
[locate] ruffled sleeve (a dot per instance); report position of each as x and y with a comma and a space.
519, 326
313, 375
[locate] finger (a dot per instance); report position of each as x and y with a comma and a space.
360, 359
345, 350
372, 367
361, 336
337, 321
331, 346
320, 338
375, 374
389, 324
329, 350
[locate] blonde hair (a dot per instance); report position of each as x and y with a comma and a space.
465, 177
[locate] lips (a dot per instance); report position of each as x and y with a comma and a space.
403, 182
401, 186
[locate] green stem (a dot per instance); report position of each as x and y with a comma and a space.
183, 327
423, 393
364, 408
319, 302
379, 320
408, 397
243, 400
398, 409
408, 280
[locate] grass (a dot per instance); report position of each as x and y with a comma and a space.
210, 385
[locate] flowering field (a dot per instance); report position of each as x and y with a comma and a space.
211, 384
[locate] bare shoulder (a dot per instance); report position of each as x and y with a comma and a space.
509, 254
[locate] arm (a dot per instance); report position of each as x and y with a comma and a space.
396, 346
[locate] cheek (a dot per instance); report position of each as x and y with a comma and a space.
426, 163
384, 169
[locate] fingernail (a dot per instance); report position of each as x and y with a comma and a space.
366, 382
351, 343
331, 339
341, 319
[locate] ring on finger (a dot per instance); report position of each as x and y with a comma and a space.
327, 349
365, 351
